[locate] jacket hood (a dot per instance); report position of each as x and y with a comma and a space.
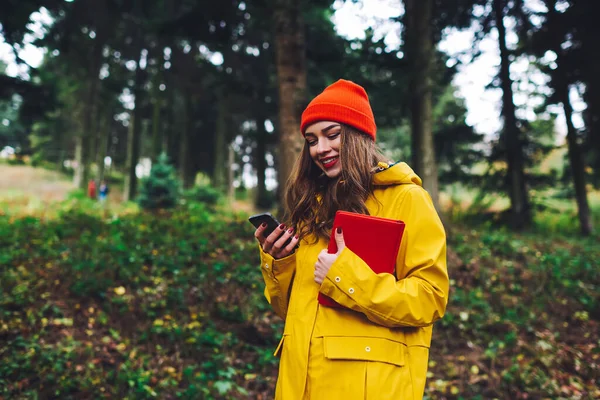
395, 174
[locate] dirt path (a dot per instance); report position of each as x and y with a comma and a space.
25, 181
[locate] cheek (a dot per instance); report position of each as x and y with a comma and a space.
336, 145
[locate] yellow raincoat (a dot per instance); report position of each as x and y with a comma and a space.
378, 347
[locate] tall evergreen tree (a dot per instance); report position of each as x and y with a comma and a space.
290, 53
520, 207
551, 36
420, 54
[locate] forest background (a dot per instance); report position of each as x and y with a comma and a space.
190, 111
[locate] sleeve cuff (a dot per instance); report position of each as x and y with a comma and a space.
272, 266
340, 284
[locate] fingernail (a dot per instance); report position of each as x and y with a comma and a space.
291, 230
282, 226
339, 229
297, 237
263, 225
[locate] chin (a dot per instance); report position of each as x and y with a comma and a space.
332, 174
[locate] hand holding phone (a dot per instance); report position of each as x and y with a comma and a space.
275, 238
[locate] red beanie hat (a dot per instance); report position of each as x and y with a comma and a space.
344, 102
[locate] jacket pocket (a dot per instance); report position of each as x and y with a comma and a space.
279, 348
364, 348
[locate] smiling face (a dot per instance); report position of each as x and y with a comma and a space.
324, 142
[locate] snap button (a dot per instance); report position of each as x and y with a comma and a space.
266, 266
367, 349
337, 279
351, 290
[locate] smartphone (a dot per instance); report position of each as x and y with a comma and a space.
272, 224
271, 221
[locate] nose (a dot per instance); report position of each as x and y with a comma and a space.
323, 147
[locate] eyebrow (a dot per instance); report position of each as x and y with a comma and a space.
324, 130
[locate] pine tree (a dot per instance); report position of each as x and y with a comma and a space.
161, 189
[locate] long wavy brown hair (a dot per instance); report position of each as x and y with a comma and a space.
312, 198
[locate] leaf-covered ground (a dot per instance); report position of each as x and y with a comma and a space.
170, 306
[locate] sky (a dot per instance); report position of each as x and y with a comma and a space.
351, 19
483, 105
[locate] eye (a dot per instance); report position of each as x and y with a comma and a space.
311, 142
333, 136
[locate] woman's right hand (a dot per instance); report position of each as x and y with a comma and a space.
274, 243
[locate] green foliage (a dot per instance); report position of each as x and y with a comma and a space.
160, 190
170, 305
204, 193
137, 306
521, 305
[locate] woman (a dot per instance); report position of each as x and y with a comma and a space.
377, 347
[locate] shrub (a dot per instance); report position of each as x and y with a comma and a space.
204, 193
161, 189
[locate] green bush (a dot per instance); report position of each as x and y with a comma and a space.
160, 190
125, 307
204, 193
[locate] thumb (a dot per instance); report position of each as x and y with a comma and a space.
339, 239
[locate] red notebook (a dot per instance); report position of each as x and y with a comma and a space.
375, 240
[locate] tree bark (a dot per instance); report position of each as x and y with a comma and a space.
157, 124
185, 166
157, 128
560, 81
291, 77
592, 117
134, 134
577, 165
83, 141
420, 54
103, 139
520, 208
221, 168
260, 163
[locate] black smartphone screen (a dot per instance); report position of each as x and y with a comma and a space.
271, 221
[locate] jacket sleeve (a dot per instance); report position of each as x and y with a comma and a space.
419, 295
278, 276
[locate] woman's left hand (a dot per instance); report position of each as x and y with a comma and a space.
326, 259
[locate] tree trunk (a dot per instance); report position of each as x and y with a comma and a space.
185, 165
157, 105
520, 208
81, 172
230, 175
134, 134
157, 132
260, 163
592, 118
103, 139
420, 54
83, 140
291, 77
577, 165
560, 81
221, 145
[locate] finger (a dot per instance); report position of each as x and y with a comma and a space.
258, 233
280, 243
339, 239
281, 239
319, 277
322, 255
272, 238
292, 245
